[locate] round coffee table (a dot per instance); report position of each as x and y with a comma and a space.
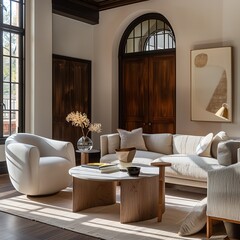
139, 195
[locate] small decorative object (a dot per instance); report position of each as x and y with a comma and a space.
79, 119
223, 112
125, 156
133, 171
84, 143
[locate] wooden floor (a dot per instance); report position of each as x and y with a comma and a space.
17, 228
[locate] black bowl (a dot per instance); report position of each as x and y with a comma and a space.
133, 171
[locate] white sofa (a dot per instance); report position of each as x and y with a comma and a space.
189, 165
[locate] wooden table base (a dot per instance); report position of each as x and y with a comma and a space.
88, 194
139, 197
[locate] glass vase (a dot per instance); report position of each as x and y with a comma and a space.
84, 144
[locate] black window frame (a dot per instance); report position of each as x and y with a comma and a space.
20, 31
140, 20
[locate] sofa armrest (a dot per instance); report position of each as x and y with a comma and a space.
108, 143
103, 145
223, 190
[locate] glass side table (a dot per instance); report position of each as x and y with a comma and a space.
85, 155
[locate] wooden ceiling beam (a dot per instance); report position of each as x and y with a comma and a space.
87, 10
78, 10
108, 4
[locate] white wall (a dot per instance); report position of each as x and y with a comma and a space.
72, 38
197, 24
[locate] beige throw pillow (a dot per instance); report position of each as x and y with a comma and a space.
195, 220
132, 139
204, 147
227, 152
219, 137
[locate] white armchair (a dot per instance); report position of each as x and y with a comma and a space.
223, 196
38, 165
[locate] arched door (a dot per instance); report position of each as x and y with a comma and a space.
147, 75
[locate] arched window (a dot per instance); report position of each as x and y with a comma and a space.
150, 32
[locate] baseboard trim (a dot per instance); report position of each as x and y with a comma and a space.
3, 168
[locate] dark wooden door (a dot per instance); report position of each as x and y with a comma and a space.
71, 92
161, 94
147, 90
133, 99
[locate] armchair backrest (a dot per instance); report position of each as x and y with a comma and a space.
46, 146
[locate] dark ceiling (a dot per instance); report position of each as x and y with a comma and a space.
87, 10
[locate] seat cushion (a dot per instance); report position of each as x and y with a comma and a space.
141, 157
159, 142
185, 144
189, 166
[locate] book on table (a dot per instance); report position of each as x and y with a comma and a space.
103, 167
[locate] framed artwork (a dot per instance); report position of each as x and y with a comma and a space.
211, 84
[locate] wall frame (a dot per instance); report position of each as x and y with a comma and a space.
211, 83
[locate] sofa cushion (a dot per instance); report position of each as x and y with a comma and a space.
132, 139
159, 143
219, 137
189, 166
141, 157
204, 147
185, 144
227, 152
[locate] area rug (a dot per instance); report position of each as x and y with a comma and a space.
103, 222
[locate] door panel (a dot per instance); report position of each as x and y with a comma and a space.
71, 92
133, 102
162, 88
147, 93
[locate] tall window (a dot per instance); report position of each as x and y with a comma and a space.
149, 32
11, 67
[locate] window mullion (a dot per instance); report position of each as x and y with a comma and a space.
12, 67
1, 84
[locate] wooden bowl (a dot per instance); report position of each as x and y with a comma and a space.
126, 154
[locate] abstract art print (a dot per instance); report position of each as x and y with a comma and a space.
211, 83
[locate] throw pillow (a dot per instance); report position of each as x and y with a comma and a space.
132, 139
219, 137
227, 152
204, 147
195, 220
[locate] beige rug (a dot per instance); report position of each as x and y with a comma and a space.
103, 222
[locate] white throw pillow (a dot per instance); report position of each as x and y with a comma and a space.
195, 220
204, 147
219, 137
132, 139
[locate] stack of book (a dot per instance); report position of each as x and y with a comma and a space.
109, 168
103, 167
